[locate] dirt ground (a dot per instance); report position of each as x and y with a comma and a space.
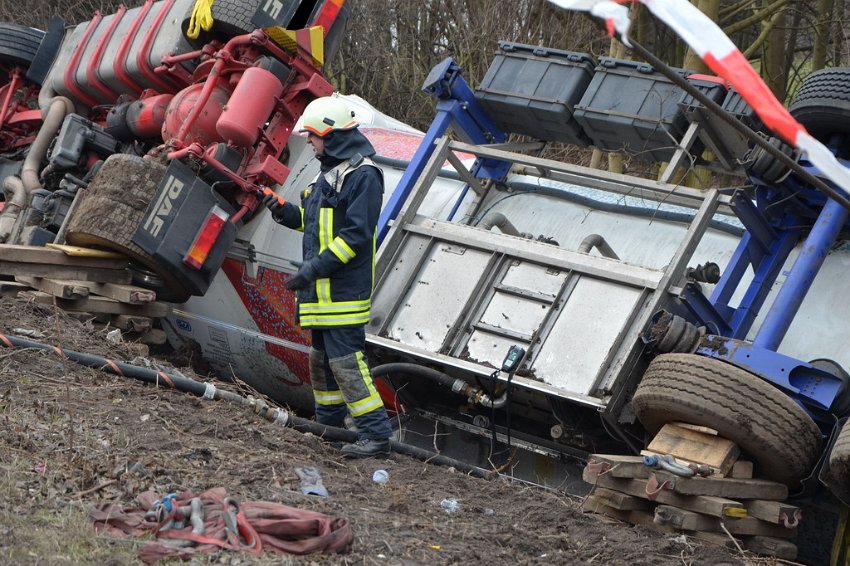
74, 437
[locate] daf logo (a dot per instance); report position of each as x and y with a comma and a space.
184, 325
164, 206
273, 8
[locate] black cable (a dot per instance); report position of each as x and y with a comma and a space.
716, 109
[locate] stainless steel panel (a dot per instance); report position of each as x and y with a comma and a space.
437, 295
516, 314
486, 348
587, 328
537, 278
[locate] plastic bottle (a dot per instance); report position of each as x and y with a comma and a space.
380, 476
450, 505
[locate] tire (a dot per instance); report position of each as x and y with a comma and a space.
822, 103
839, 465
18, 45
111, 209
761, 420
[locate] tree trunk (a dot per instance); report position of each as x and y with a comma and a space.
710, 8
824, 13
773, 58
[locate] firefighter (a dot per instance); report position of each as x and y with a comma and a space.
339, 216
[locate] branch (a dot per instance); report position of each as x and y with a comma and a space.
770, 11
759, 41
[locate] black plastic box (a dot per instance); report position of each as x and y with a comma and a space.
532, 90
629, 106
712, 87
734, 104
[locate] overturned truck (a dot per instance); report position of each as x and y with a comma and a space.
536, 310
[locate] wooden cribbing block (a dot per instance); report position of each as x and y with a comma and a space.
742, 469
632, 467
692, 521
124, 293
132, 323
51, 256
715, 506
593, 504
57, 287
95, 304
725, 487
695, 446
80, 289
774, 511
621, 501
72, 272
622, 466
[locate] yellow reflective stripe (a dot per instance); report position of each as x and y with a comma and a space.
366, 405
301, 211
335, 307
326, 226
323, 290
328, 320
328, 397
373, 401
342, 250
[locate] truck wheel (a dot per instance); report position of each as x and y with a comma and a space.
230, 18
18, 45
822, 103
839, 465
112, 207
760, 419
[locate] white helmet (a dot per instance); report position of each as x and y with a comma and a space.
325, 115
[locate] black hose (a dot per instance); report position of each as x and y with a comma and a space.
414, 369
188, 385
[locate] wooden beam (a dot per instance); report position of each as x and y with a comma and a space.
692, 521
72, 272
57, 287
773, 511
103, 305
51, 256
124, 293
695, 446
621, 501
732, 488
132, 322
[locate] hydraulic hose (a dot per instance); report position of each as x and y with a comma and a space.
175, 380
456, 385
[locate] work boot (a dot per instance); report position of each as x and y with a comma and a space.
366, 448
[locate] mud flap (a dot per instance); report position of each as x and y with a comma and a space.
173, 218
836, 484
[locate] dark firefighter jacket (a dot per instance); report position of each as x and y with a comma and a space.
340, 233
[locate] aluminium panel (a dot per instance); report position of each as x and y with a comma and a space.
437, 295
587, 328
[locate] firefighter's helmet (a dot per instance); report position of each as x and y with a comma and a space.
325, 115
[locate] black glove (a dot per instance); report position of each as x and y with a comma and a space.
273, 202
304, 277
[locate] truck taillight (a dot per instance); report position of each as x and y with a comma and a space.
205, 240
